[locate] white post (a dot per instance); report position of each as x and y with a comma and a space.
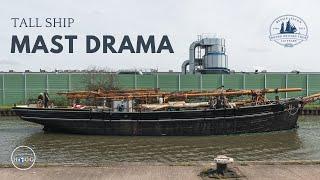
222, 80
307, 84
179, 86
286, 85
47, 81
135, 81
244, 81
265, 80
3, 93
69, 82
200, 82
157, 81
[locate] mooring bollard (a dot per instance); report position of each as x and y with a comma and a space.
222, 162
222, 171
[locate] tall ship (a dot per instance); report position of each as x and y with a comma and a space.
153, 112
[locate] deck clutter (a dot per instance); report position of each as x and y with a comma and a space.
156, 100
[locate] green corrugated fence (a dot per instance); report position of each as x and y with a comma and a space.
19, 87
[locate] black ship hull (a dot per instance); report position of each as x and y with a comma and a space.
250, 119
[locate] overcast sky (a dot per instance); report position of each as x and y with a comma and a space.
243, 23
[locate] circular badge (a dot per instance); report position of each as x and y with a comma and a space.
23, 157
288, 30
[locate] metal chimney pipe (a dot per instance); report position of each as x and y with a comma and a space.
192, 56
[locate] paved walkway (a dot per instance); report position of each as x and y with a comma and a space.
141, 172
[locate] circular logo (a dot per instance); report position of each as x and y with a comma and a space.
288, 30
23, 157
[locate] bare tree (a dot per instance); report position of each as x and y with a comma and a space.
100, 78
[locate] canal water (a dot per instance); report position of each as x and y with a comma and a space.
299, 144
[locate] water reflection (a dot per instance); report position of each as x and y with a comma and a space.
104, 149
302, 143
